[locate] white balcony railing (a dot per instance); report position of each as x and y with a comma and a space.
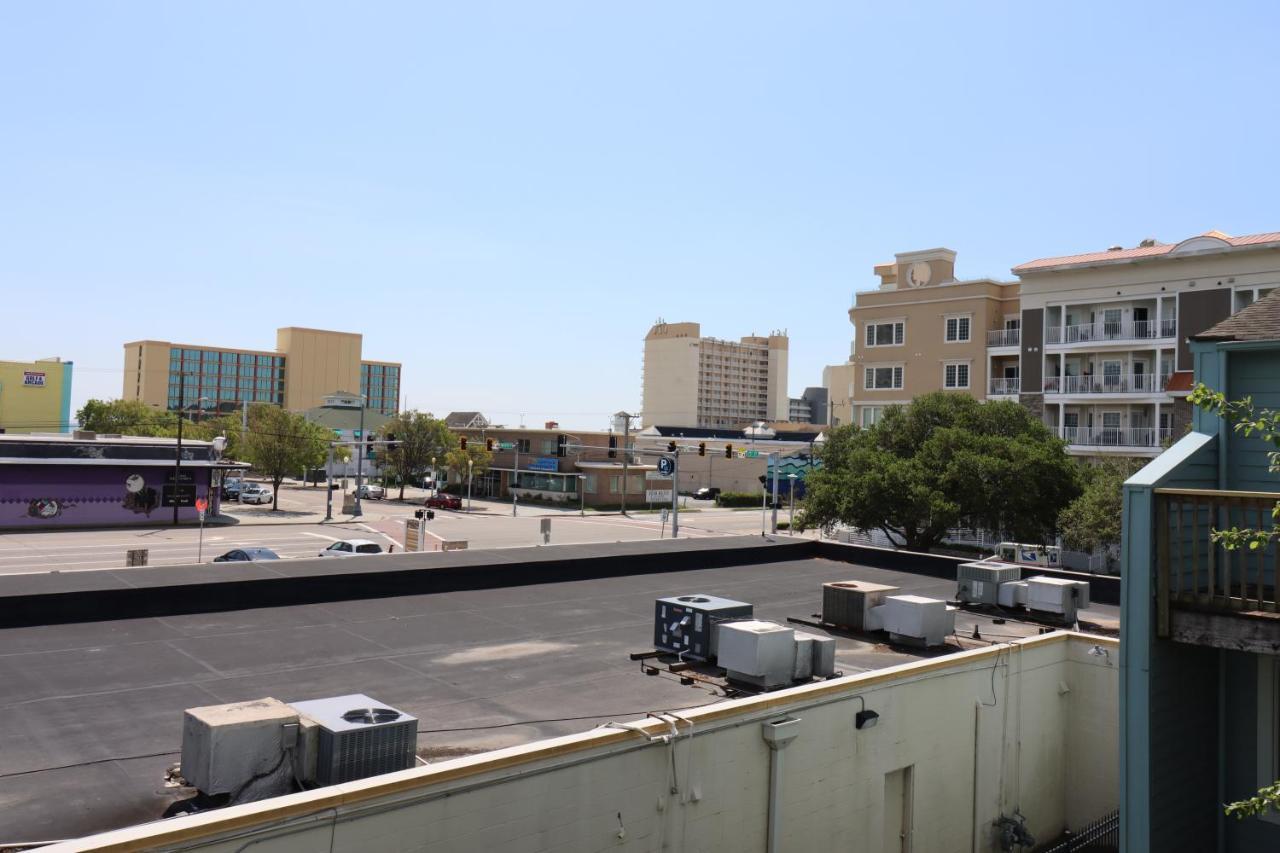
1103, 331
1116, 436
1004, 337
1004, 387
1133, 383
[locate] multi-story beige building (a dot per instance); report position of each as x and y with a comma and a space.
922, 330
1103, 349
306, 366
694, 381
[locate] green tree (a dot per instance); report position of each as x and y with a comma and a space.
280, 443
456, 459
419, 439
942, 461
1092, 521
125, 417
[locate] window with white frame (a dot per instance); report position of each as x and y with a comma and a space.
882, 377
885, 334
871, 415
958, 328
955, 374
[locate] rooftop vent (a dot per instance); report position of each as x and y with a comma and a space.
1116, 248
1147, 242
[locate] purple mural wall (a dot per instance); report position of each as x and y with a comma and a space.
40, 496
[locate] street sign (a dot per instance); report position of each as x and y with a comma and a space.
657, 496
505, 445
666, 465
665, 514
202, 504
751, 454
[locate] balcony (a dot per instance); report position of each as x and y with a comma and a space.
1109, 332
1206, 594
1000, 387
1004, 337
1132, 383
1145, 437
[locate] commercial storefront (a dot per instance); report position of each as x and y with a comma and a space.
85, 480
35, 396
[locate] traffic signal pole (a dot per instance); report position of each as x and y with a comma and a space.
675, 497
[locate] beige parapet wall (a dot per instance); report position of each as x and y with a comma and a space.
1030, 726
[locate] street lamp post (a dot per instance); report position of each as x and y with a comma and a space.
435, 485
469, 461
360, 445
582, 495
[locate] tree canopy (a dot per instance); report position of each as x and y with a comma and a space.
125, 417
1092, 520
419, 438
943, 461
280, 443
456, 458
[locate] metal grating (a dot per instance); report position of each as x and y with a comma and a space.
1101, 836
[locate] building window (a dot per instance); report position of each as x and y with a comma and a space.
958, 328
871, 415
885, 334
955, 375
882, 378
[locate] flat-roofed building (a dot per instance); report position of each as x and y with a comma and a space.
690, 380
306, 366
35, 396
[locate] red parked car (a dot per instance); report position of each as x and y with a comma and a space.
443, 501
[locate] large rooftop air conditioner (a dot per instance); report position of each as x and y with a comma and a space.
239, 749
1057, 596
685, 624
357, 737
914, 620
979, 583
848, 604
762, 654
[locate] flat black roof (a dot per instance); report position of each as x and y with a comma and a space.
93, 710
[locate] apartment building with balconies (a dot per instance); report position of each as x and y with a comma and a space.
922, 330
1100, 351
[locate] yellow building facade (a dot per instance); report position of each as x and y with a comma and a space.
35, 396
306, 366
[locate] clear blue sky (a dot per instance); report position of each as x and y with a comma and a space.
505, 196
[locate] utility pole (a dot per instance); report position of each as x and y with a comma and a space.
515, 477
626, 453
177, 464
675, 496
328, 490
775, 460
359, 458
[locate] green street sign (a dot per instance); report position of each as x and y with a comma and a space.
505, 445
751, 454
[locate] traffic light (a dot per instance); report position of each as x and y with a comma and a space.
370, 450
728, 451
462, 442
613, 447
488, 444
702, 448
562, 446
392, 444
671, 447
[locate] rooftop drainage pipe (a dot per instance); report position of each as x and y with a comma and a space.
778, 734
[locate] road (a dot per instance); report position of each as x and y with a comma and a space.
490, 525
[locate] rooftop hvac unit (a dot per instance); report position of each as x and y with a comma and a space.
1057, 596
914, 620
848, 604
357, 737
1013, 594
1047, 556
823, 657
758, 653
979, 583
685, 624
238, 748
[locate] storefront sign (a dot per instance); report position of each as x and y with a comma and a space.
32, 378
172, 495
543, 463
657, 496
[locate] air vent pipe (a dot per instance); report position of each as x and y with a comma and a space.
778, 734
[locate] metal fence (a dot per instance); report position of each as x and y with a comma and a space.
1101, 836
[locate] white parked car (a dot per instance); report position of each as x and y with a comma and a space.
371, 492
256, 493
351, 547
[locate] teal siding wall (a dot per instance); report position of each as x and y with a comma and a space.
1255, 373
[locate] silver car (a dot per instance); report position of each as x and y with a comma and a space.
256, 493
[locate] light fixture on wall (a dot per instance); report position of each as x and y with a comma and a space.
865, 719
1099, 652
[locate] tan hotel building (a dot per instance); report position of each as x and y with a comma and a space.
1094, 344
693, 381
306, 366
922, 330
